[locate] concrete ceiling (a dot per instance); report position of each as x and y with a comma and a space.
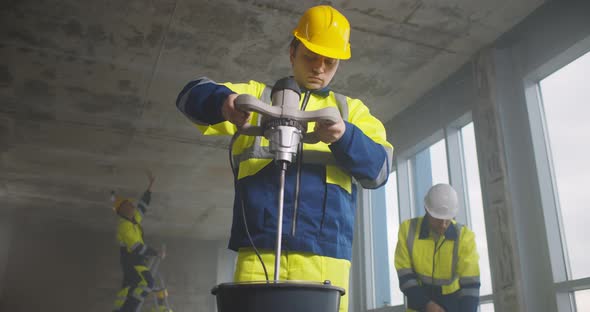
87, 91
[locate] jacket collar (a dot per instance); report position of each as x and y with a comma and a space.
323, 92
132, 220
450, 233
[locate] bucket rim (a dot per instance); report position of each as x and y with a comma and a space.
279, 285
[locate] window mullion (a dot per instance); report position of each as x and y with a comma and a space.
456, 165
405, 193
367, 221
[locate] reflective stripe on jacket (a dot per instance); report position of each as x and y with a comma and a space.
445, 271
325, 216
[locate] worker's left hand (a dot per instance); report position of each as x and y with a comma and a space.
433, 307
329, 132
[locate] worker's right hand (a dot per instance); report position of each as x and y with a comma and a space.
433, 307
151, 179
232, 114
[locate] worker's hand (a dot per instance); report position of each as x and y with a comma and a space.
433, 307
151, 179
162, 254
232, 114
329, 132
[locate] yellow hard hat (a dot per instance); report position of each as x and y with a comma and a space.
118, 201
161, 294
325, 31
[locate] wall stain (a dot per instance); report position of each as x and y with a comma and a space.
37, 87
6, 133
72, 28
6, 77
36, 100
125, 85
124, 106
153, 38
96, 33
135, 41
49, 73
23, 36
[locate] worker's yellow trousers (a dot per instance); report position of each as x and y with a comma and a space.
300, 266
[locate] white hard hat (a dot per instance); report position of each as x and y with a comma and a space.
442, 202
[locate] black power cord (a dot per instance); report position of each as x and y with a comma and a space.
436, 250
299, 160
239, 188
241, 198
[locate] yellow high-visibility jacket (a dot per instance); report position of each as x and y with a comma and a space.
445, 271
323, 221
133, 249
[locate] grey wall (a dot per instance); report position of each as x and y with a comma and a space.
439, 107
60, 266
6, 229
546, 40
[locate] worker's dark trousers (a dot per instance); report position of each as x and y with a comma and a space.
138, 284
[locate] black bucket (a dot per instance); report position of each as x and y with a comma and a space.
274, 297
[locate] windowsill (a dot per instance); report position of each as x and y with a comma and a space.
399, 308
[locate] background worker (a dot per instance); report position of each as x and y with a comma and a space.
320, 194
137, 278
436, 258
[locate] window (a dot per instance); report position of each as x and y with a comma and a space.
397, 297
487, 307
429, 168
438, 162
563, 99
582, 299
565, 96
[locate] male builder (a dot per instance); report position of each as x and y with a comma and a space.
436, 258
137, 278
320, 195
